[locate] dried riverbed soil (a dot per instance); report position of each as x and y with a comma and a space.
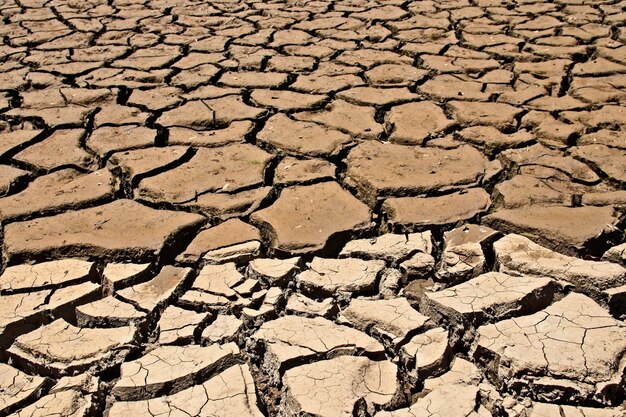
312, 208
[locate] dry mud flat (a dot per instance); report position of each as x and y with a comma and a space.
313, 208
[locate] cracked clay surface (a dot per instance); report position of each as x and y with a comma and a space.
312, 208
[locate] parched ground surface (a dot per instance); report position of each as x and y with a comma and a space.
313, 208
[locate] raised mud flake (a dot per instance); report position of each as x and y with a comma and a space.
293, 340
358, 121
498, 115
249, 288
408, 213
218, 280
209, 43
314, 51
108, 312
211, 91
85, 383
598, 66
17, 140
611, 161
492, 139
574, 342
547, 68
226, 169
230, 393
68, 403
59, 349
302, 137
380, 170
548, 130
154, 294
522, 93
463, 255
612, 138
570, 230
56, 117
413, 123
209, 112
599, 90
106, 140
286, 100
392, 248
490, 39
16, 79
253, 317
196, 299
553, 104
138, 163
61, 149
461, 372
178, 326
324, 84
325, 277
292, 171
291, 64
20, 313
224, 206
488, 297
555, 410
546, 187
304, 306
273, 272
167, 370
4, 102
426, 354
538, 156
116, 276
222, 330
239, 254
381, 13
61, 96
518, 255
193, 114
336, 387
470, 233
230, 233
452, 87
60, 190
394, 74
615, 198
154, 57
310, 218
129, 78
156, 99
63, 300
119, 115
370, 96
616, 300
17, 388
235, 132
120, 228
393, 320
616, 254
390, 282
455, 400
608, 116
369, 58
46, 275
457, 64
10, 177
419, 266
253, 79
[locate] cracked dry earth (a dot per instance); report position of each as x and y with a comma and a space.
313, 208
